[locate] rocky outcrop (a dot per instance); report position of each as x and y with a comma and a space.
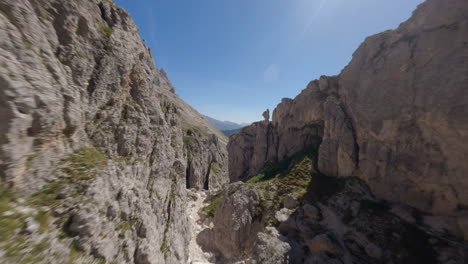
395, 117
301, 216
347, 224
93, 140
237, 229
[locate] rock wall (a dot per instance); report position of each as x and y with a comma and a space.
94, 140
396, 117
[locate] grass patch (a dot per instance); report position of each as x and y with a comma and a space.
82, 54
8, 224
15, 247
215, 167
49, 194
126, 225
285, 166
167, 106
106, 31
164, 248
289, 176
211, 208
75, 251
174, 144
84, 163
188, 140
43, 219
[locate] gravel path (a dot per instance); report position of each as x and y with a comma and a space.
196, 254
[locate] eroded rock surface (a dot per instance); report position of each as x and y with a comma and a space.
334, 220
94, 139
396, 117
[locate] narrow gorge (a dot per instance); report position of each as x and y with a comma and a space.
102, 162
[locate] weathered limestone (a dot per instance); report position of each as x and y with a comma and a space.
94, 130
396, 116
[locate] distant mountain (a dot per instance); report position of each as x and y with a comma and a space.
225, 125
230, 132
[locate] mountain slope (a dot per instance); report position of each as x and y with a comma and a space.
96, 150
231, 132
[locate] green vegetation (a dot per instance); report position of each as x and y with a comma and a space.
43, 219
215, 167
165, 244
82, 54
83, 164
48, 195
211, 208
15, 245
188, 140
259, 209
174, 144
8, 223
167, 106
106, 31
78, 167
75, 251
285, 166
292, 175
126, 225
133, 104
191, 130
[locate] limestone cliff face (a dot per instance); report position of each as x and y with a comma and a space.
95, 147
396, 117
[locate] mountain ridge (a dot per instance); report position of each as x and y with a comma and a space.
224, 125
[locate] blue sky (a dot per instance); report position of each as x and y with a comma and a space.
232, 59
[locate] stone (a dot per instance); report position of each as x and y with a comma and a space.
324, 243
271, 248
311, 212
290, 201
393, 117
237, 220
282, 215
8, 213
266, 115
31, 226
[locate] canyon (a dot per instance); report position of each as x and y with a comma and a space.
102, 162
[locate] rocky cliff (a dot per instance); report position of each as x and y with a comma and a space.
96, 149
396, 117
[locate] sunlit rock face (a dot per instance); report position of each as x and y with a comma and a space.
93, 139
396, 117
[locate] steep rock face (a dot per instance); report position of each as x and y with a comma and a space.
92, 138
395, 116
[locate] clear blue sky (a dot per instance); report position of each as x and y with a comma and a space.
232, 59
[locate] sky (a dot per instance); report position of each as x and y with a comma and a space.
233, 59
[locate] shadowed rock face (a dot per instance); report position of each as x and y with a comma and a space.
94, 132
396, 117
